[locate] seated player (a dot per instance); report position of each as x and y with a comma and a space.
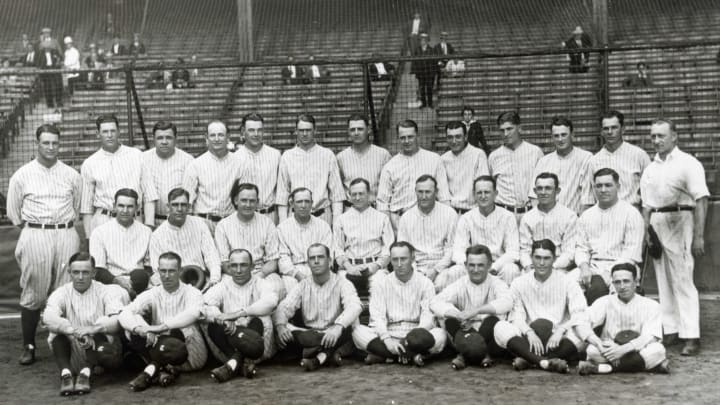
402, 326
171, 340
82, 319
240, 332
471, 307
363, 237
547, 305
631, 334
120, 246
328, 306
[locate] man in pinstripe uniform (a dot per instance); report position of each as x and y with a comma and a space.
44, 201
463, 163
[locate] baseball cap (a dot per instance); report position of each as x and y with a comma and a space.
67, 40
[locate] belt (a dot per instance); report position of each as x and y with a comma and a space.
318, 212
460, 211
517, 210
364, 260
161, 217
50, 226
348, 204
266, 210
673, 208
214, 218
113, 214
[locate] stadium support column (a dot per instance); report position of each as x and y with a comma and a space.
245, 31
600, 30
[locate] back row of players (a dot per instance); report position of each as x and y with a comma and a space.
262, 187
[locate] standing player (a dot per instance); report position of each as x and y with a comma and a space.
463, 163
401, 324
82, 319
314, 167
675, 199
164, 165
44, 201
260, 164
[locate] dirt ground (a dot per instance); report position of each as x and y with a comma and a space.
692, 381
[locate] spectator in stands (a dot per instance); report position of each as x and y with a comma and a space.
156, 80
48, 57
417, 26
94, 80
180, 77
29, 58
71, 62
117, 48
292, 74
6, 79
137, 47
194, 71
474, 130
48, 42
445, 49
578, 61
93, 57
455, 68
641, 78
22, 47
425, 71
381, 71
316, 74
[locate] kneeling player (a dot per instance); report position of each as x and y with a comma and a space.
82, 319
239, 307
171, 341
472, 306
401, 323
547, 304
631, 329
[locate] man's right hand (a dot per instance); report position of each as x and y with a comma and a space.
300, 276
284, 335
353, 270
394, 346
123, 282
535, 343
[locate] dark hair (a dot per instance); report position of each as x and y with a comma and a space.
508, 116
81, 257
51, 128
613, 114
237, 187
624, 266
106, 118
548, 175
164, 125
407, 124
455, 125
360, 180
426, 177
314, 245
490, 179
467, 108
171, 256
358, 117
240, 250
671, 123
177, 192
127, 192
252, 117
606, 171
405, 244
299, 189
545, 244
559, 120
305, 118
479, 250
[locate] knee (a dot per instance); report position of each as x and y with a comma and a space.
248, 342
509, 272
103, 275
139, 279
471, 345
597, 289
503, 332
169, 350
543, 328
108, 355
419, 340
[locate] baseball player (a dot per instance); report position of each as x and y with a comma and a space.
362, 159
296, 234
430, 227
628, 160
395, 191
170, 337
463, 163
260, 163
489, 226
82, 319
549, 220
187, 235
624, 313
675, 200
314, 167
240, 331
112, 167
164, 165
44, 201
210, 176
362, 238
611, 231
471, 307
570, 164
512, 166
328, 306
547, 305
120, 246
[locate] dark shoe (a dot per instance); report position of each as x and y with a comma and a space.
67, 387
671, 340
487, 362
166, 378
249, 370
82, 384
336, 359
222, 373
520, 364
587, 368
691, 348
419, 360
662, 368
371, 359
558, 366
458, 363
311, 364
28, 356
141, 382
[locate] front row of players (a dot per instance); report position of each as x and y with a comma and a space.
541, 319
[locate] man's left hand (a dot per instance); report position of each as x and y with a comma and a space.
331, 336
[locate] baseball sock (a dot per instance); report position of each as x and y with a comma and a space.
216, 333
234, 361
85, 371
29, 319
566, 350
519, 346
378, 348
150, 369
487, 331
62, 350
631, 362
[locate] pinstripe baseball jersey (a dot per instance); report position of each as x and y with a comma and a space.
629, 161
97, 305
333, 303
640, 314
398, 307
366, 165
573, 171
256, 297
118, 249
464, 294
316, 169
164, 174
258, 236
558, 225
498, 231
613, 234
513, 171
294, 239
462, 169
104, 173
42, 195
364, 234
396, 190
558, 299
261, 169
209, 179
432, 235
176, 310
192, 241
677, 180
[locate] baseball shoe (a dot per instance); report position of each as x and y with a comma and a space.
249, 371
558, 366
520, 364
310, 364
28, 356
336, 359
82, 384
141, 382
487, 362
458, 363
419, 360
166, 377
371, 359
691, 347
671, 339
67, 386
222, 373
587, 368
662, 368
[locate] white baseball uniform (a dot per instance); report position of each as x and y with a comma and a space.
294, 239
261, 169
629, 161
118, 249
163, 176
366, 165
574, 175
513, 171
462, 169
558, 225
431, 234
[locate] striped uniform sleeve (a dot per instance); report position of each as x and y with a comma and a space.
448, 241
593, 317
212, 303
510, 244
443, 187
384, 194
446, 302
518, 316
272, 244
114, 300
210, 254
15, 199
191, 181
427, 319
335, 184
461, 240
634, 237
282, 191
54, 313
290, 304
652, 326
503, 301
338, 245
286, 266
352, 307
388, 238
576, 303
97, 250
582, 247
88, 188
77, 189
526, 240
267, 302
141, 305
192, 300
378, 311
568, 242
222, 242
